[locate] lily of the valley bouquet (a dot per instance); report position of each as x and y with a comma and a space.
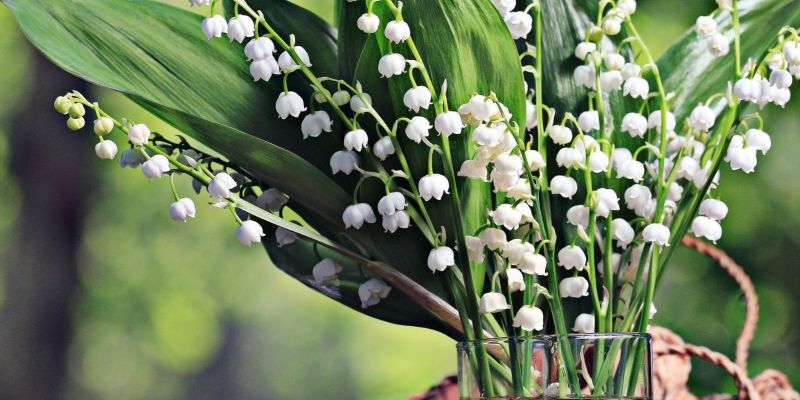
487, 169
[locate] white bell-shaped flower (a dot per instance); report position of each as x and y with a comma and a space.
718, 45
182, 210
574, 287
259, 49
315, 123
480, 108
656, 233
598, 161
383, 148
509, 164
584, 323
569, 157
627, 6
636, 87
563, 186
515, 249
747, 90
613, 61
630, 70
287, 63
138, 134
440, 258
631, 169
504, 182
507, 216
531, 120
622, 232
529, 319
356, 215
572, 257
515, 281
398, 220
654, 121
418, 128
448, 123
494, 238
249, 232
391, 203
106, 150
103, 126
344, 162
702, 118
534, 264
155, 167
612, 24
504, 6
741, 157
417, 98
397, 31
289, 103
433, 186
535, 160
325, 271
519, 24
372, 291
713, 209
583, 49
241, 27
341, 97
214, 26
560, 134
578, 216
368, 23
391, 65
707, 228
221, 186
705, 26
758, 140
485, 135
263, 69
284, 237
356, 140
359, 105
589, 121
635, 124
584, 75
473, 169
640, 199
611, 81
605, 201
791, 52
131, 158
493, 302
780, 78
474, 249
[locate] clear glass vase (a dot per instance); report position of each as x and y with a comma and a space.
590, 366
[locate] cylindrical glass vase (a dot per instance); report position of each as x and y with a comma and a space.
504, 368
590, 366
601, 366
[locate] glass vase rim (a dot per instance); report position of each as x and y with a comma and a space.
549, 338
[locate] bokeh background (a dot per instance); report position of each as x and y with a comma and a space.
102, 296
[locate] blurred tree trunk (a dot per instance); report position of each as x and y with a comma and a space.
51, 167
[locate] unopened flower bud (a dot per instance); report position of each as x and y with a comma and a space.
62, 105
76, 124
106, 150
77, 111
103, 126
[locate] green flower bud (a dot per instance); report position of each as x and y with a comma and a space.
320, 98
62, 105
76, 123
77, 111
595, 34
103, 126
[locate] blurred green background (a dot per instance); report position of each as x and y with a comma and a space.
104, 297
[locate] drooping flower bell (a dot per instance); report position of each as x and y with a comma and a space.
572, 257
284, 237
631, 169
391, 203
564, 186
758, 140
574, 287
155, 167
494, 238
417, 98
241, 27
138, 134
714, 209
635, 124
359, 105
605, 201
103, 126
368, 23
440, 258
578, 216
418, 128
344, 162
383, 148
106, 150
702, 118
325, 271
249, 232
718, 45
272, 200
560, 134
315, 123
584, 324
398, 220
182, 210
656, 233
214, 26
589, 121
474, 248
636, 87
356, 140
493, 302
433, 186
519, 23
288, 64
221, 186
397, 31
507, 216
707, 228
131, 158
529, 319
448, 123
259, 49
583, 49
533, 264
515, 282
622, 232
372, 291
391, 65
705, 26
356, 215
289, 103
654, 121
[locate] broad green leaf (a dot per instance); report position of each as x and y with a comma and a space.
689, 70
158, 53
351, 39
